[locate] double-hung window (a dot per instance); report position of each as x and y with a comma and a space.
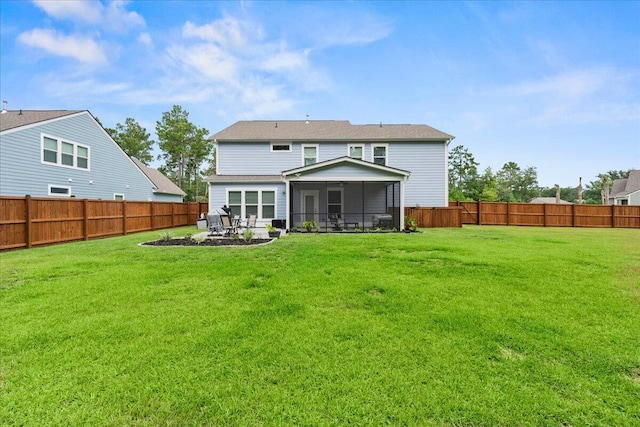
379, 154
247, 202
56, 151
356, 151
309, 154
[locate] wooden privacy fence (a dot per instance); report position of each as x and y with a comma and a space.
30, 221
436, 217
549, 215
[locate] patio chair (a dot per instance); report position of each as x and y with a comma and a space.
228, 225
334, 219
251, 222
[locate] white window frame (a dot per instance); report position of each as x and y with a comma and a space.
59, 194
288, 144
386, 153
260, 190
59, 153
303, 146
115, 196
350, 146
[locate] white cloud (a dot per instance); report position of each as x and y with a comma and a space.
83, 49
112, 16
79, 11
227, 31
578, 96
145, 39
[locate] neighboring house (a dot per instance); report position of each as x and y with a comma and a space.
67, 153
163, 189
549, 200
626, 191
300, 171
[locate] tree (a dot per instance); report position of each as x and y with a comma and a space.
462, 171
134, 140
184, 148
515, 184
599, 189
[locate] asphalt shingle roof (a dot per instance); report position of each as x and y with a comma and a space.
326, 130
17, 118
161, 182
624, 187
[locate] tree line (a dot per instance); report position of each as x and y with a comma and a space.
189, 157
513, 183
187, 152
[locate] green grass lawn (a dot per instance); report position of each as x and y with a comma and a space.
478, 326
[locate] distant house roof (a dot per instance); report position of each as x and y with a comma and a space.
162, 183
626, 186
549, 200
17, 118
326, 130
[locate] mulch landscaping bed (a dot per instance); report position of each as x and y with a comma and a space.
207, 242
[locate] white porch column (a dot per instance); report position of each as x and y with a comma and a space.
402, 205
287, 208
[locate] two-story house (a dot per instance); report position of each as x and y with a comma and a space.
317, 170
67, 153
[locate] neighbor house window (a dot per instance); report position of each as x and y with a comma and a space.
59, 190
59, 152
379, 154
246, 202
309, 154
117, 196
286, 147
356, 151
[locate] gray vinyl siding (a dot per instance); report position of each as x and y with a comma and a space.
164, 197
256, 158
218, 195
110, 172
426, 161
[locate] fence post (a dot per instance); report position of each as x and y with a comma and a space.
508, 213
124, 217
479, 204
27, 213
613, 216
85, 221
544, 214
573, 215
152, 216
172, 214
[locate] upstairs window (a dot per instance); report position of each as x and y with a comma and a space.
64, 153
379, 154
281, 147
309, 154
356, 151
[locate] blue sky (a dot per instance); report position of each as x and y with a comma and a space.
555, 85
